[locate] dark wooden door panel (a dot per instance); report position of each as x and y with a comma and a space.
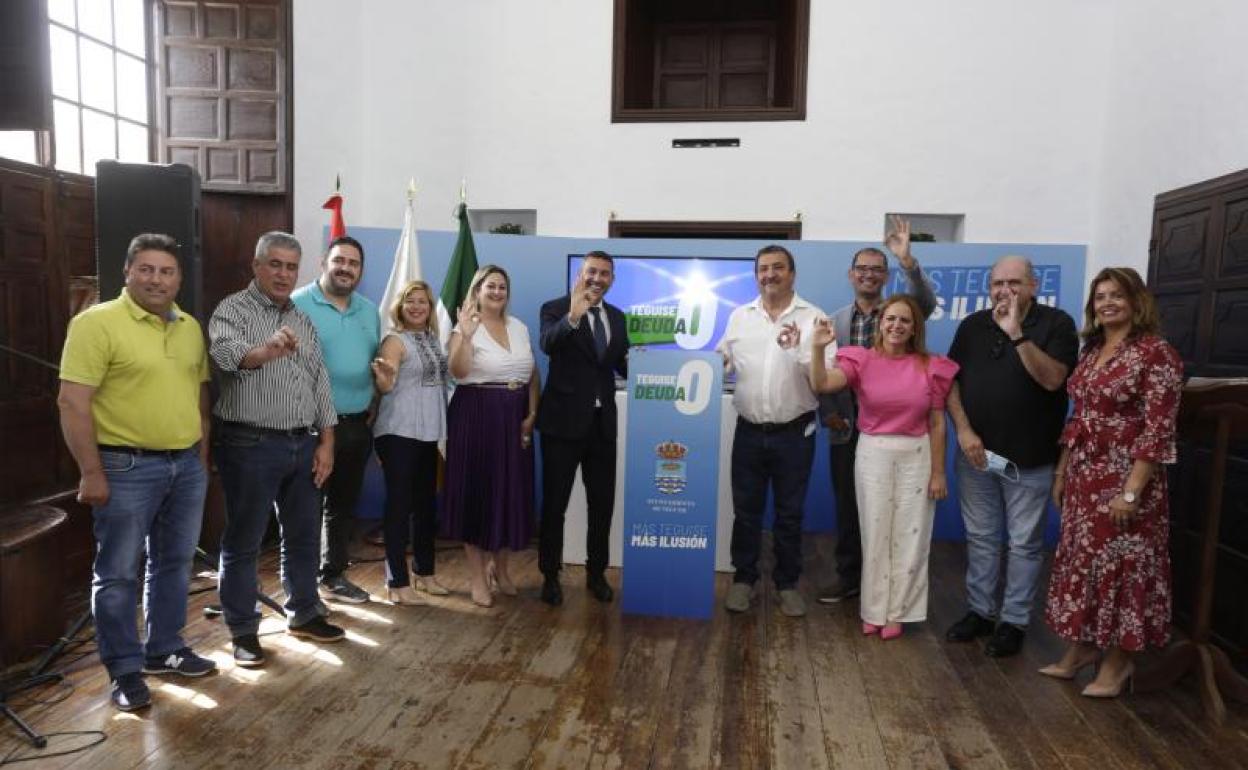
1180, 314
684, 48
26, 322
75, 216
230, 226
34, 308
743, 89
747, 48
1182, 245
683, 91
1234, 262
1228, 347
222, 91
1198, 270
713, 66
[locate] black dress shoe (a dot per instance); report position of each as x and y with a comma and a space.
1007, 641
247, 651
552, 592
969, 628
599, 589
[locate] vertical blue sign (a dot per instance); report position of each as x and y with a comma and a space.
671, 482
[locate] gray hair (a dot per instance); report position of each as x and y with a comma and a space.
276, 239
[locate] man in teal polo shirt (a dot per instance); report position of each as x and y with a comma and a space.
349, 329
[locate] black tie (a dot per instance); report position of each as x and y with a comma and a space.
600, 333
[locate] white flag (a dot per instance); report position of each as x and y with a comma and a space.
406, 262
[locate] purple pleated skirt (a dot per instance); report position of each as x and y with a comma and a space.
488, 493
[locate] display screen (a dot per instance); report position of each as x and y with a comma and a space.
676, 302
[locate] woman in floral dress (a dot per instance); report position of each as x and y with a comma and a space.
1109, 594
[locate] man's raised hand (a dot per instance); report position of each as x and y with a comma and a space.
581, 301
898, 240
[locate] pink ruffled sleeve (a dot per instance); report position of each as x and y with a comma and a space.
850, 360
940, 372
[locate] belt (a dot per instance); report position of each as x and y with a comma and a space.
140, 451
356, 417
775, 427
509, 385
293, 432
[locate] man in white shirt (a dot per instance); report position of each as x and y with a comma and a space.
767, 345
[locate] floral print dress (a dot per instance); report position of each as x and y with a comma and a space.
1110, 586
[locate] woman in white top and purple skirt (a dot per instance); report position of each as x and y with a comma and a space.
488, 497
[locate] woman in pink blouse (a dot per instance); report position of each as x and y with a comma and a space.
899, 469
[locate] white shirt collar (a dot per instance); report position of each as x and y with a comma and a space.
795, 304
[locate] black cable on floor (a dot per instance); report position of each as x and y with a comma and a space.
11, 758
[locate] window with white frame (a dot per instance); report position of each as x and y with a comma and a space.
99, 82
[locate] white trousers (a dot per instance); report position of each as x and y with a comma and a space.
891, 474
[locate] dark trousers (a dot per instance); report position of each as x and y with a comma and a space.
258, 469
353, 443
781, 460
595, 454
848, 535
411, 471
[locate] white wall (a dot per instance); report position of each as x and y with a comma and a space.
1035, 120
1178, 114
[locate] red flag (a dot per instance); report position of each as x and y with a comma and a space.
337, 228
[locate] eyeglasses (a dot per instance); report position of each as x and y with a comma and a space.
870, 269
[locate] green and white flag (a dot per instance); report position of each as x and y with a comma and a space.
459, 275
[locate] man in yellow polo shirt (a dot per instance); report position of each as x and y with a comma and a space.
134, 407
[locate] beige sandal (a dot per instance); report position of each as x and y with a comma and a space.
404, 595
431, 586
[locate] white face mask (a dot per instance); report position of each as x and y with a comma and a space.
999, 465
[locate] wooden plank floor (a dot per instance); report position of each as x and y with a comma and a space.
524, 685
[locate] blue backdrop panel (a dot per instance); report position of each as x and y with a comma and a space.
671, 482
538, 267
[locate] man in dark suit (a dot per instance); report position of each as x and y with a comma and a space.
587, 342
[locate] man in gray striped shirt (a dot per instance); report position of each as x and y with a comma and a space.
274, 443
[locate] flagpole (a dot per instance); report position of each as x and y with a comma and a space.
406, 266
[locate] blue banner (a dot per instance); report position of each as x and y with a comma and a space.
671, 482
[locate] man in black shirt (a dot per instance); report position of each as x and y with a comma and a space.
1008, 405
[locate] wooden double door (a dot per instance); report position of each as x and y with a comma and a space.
1198, 270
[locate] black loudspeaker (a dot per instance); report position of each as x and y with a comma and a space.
133, 198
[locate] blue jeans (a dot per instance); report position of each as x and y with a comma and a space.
780, 459
994, 508
261, 470
157, 501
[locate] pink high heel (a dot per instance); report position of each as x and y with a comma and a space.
890, 631
869, 628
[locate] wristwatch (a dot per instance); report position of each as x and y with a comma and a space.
1129, 497
1020, 340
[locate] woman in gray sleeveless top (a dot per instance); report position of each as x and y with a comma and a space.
411, 374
